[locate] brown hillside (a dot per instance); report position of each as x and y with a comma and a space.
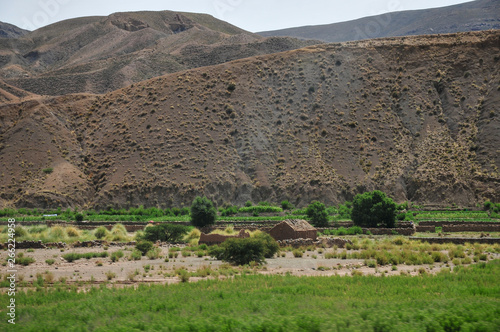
417, 117
102, 54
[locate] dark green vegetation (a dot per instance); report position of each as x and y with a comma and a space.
244, 251
144, 246
76, 256
373, 209
203, 212
316, 213
165, 233
466, 299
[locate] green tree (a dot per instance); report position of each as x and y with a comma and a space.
316, 213
165, 233
373, 209
203, 212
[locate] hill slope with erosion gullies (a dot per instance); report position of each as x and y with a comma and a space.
476, 15
102, 54
417, 117
11, 31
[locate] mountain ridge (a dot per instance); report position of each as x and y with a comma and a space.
470, 16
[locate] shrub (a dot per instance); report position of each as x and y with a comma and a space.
72, 232
271, 247
153, 253
373, 209
203, 212
118, 233
316, 213
144, 246
25, 261
248, 204
100, 232
297, 253
243, 251
229, 211
135, 255
286, 205
79, 217
115, 256
19, 231
50, 261
165, 233
48, 170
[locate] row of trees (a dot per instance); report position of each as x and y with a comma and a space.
371, 209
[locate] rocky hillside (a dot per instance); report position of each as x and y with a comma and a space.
11, 31
417, 117
102, 54
476, 15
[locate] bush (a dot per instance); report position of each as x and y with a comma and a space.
286, 205
165, 233
115, 256
153, 253
248, 204
373, 209
316, 213
229, 211
144, 246
135, 255
241, 251
72, 232
203, 212
271, 247
100, 232
79, 217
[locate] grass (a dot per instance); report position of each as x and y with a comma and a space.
71, 257
466, 299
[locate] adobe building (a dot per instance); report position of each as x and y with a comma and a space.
293, 229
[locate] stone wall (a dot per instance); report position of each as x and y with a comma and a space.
457, 240
472, 227
422, 229
390, 231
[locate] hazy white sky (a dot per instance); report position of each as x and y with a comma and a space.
251, 15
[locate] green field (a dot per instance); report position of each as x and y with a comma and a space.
467, 299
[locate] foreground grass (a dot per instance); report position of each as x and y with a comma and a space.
467, 299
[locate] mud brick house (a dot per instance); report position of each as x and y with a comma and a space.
293, 229
211, 239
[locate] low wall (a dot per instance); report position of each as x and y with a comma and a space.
422, 229
472, 228
390, 231
457, 240
448, 223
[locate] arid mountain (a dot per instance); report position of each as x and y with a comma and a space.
477, 15
11, 31
417, 117
102, 54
